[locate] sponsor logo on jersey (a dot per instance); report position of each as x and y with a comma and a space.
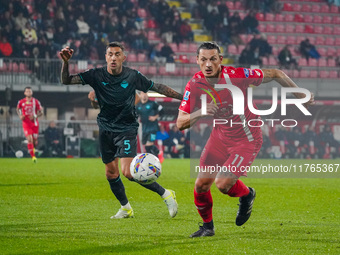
124, 84
246, 72
104, 83
184, 103
186, 95
258, 73
251, 72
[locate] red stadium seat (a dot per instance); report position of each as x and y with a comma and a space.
287, 7
152, 70
313, 74
312, 39
275, 50
290, 28
336, 20
265, 62
279, 17
303, 62
238, 5
297, 7
315, 8
331, 62
318, 29
232, 49
230, 5
324, 74
337, 41
141, 57
194, 70
331, 51
271, 28
312, 62
183, 47
291, 39
183, 59
298, 18
173, 46
272, 61
322, 51
152, 35
244, 38
259, 16
336, 30
309, 29
320, 40
280, 28
317, 19
300, 38
333, 75
142, 69
304, 74
324, 8
329, 41
328, 30
281, 39
131, 57
151, 24
322, 62
306, 8
327, 19
193, 47
270, 17
193, 59
296, 74
334, 9
186, 71
309, 18
162, 71
3, 68
271, 39
262, 27
338, 52
289, 18
299, 29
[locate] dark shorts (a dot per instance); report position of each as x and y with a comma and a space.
117, 145
148, 137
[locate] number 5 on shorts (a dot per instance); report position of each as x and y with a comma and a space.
127, 143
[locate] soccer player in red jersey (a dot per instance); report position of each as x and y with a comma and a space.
231, 146
29, 109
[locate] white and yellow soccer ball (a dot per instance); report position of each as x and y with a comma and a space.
19, 154
145, 168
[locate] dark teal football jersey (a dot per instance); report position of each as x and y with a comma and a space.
116, 96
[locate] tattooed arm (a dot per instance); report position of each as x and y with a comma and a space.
281, 78
166, 91
66, 78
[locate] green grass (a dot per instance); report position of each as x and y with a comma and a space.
63, 206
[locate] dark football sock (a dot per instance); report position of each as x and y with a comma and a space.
118, 189
155, 187
152, 149
208, 225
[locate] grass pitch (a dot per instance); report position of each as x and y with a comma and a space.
63, 206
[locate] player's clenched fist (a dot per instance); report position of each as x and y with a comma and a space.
66, 53
92, 96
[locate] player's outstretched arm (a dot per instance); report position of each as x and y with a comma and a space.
66, 78
283, 79
186, 120
166, 91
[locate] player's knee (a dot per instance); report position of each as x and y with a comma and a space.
202, 186
110, 175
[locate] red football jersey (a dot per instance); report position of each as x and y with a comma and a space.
239, 77
29, 108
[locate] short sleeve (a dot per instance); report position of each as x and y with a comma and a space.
87, 77
249, 76
185, 104
142, 83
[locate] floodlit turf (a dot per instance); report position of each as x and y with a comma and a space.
63, 206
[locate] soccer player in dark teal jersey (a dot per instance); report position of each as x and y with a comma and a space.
115, 88
149, 113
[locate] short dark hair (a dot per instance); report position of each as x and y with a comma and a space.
27, 88
208, 46
115, 44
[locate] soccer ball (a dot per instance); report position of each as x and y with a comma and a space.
145, 168
19, 154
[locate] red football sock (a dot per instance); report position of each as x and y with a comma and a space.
238, 190
30, 148
204, 204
